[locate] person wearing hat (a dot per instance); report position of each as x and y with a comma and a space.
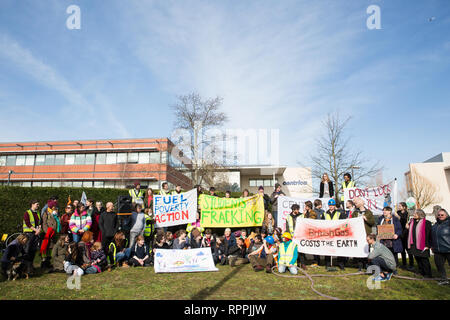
137, 195
334, 214
274, 200
262, 257
287, 254
291, 221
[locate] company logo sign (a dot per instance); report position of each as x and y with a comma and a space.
295, 183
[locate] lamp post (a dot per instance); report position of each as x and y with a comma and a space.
9, 176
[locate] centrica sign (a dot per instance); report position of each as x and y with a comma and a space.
295, 183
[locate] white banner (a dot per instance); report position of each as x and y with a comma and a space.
192, 260
284, 207
342, 238
375, 198
175, 209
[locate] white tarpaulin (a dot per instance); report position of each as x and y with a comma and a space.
192, 260
175, 209
343, 238
375, 198
284, 207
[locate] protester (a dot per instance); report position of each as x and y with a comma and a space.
309, 212
440, 235
395, 244
139, 253
209, 241
31, 227
245, 193
269, 223
96, 213
137, 223
318, 209
326, 187
256, 254
180, 241
14, 253
108, 224
65, 220
90, 206
73, 260
85, 248
51, 226
219, 252
195, 224
266, 198
230, 239
80, 222
195, 239
59, 252
227, 194
177, 190
419, 241
137, 194
98, 257
212, 192
149, 228
403, 215
237, 253
347, 183
382, 257
334, 214
287, 255
149, 196
351, 211
369, 222
118, 251
274, 200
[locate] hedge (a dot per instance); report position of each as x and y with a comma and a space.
14, 201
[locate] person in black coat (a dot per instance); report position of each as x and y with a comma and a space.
440, 235
326, 180
140, 255
14, 252
419, 241
403, 215
108, 224
395, 244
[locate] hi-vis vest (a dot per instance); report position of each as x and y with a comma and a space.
351, 184
33, 223
286, 255
290, 222
164, 193
114, 250
337, 215
148, 230
137, 197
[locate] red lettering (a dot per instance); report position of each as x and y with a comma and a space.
177, 216
184, 215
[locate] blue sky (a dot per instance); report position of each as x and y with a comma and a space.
277, 64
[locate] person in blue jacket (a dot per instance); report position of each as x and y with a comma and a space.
394, 245
440, 239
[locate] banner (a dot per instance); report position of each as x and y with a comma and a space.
285, 204
192, 260
231, 212
342, 238
375, 198
175, 209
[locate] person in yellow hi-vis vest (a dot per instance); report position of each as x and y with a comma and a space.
287, 254
32, 229
347, 183
334, 214
137, 194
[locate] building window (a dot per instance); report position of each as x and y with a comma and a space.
49, 160
26, 184
99, 184
70, 159
144, 157
11, 161
111, 158
261, 182
56, 184
87, 184
101, 158
2, 161
109, 184
90, 158
164, 157
46, 183
20, 161
40, 160
252, 183
133, 157
77, 184
121, 158
80, 159
154, 157
59, 159
66, 183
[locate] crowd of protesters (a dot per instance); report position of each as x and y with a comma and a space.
90, 237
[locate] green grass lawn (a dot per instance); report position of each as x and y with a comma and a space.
239, 282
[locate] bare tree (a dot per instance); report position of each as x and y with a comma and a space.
335, 156
424, 191
194, 116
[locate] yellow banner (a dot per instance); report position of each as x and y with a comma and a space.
231, 212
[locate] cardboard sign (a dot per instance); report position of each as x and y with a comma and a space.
173, 210
385, 231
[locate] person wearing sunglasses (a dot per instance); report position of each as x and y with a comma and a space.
440, 235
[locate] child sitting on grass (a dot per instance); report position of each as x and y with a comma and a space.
73, 260
59, 253
139, 253
98, 257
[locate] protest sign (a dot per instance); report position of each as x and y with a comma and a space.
375, 198
343, 238
231, 212
285, 203
192, 260
175, 209
385, 231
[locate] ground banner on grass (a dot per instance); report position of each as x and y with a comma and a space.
375, 198
231, 212
175, 209
192, 260
284, 207
342, 238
